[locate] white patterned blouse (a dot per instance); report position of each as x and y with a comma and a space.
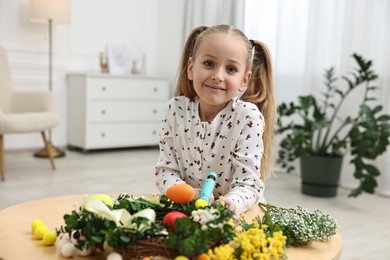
231, 146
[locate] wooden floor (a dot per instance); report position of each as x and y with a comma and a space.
364, 222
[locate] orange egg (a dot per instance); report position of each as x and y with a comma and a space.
181, 193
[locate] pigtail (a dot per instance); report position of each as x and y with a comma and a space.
184, 86
260, 91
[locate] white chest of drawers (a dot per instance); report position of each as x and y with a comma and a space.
106, 111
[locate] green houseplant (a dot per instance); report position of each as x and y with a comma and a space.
313, 127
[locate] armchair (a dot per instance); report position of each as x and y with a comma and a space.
23, 111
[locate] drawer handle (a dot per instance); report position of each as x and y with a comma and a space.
103, 135
155, 111
103, 112
154, 132
155, 89
103, 89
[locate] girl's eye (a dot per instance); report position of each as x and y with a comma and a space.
231, 69
208, 63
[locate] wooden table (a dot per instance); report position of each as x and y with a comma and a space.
17, 242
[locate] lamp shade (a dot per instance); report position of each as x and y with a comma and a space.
58, 11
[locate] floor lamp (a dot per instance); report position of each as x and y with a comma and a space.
50, 12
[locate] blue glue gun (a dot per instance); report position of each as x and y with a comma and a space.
208, 187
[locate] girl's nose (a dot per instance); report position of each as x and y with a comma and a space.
217, 77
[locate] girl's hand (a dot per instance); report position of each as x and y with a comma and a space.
211, 199
232, 206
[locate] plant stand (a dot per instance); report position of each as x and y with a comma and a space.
320, 175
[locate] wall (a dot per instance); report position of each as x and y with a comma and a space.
144, 27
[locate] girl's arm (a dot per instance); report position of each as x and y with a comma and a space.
167, 168
246, 187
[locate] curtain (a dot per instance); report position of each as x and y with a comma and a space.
208, 13
306, 37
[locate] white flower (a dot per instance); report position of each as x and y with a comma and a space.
204, 216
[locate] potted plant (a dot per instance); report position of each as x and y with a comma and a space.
314, 131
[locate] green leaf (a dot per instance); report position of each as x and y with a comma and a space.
356, 192
97, 239
383, 118
369, 184
124, 239
372, 170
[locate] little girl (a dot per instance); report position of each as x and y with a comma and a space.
221, 117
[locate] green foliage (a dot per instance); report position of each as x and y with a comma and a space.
205, 228
161, 208
90, 230
300, 226
193, 235
317, 128
192, 238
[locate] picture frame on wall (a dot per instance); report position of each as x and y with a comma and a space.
117, 59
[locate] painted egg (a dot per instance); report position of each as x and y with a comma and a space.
201, 203
171, 216
181, 193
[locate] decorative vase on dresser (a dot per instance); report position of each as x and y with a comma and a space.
110, 111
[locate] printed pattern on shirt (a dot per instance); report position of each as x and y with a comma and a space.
231, 146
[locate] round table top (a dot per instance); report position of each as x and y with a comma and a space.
17, 242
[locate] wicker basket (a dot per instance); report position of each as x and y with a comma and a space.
148, 247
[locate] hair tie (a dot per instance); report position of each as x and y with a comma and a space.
253, 43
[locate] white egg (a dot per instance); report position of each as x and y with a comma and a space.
61, 241
114, 256
68, 250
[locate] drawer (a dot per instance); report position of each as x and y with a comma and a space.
122, 135
111, 111
122, 88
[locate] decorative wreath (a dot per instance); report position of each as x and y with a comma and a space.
135, 227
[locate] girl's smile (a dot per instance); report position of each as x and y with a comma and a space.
215, 87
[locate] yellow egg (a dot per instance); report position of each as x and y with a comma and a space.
36, 223
181, 193
40, 232
49, 238
201, 203
181, 257
104, 198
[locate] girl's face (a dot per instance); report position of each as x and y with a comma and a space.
218, 71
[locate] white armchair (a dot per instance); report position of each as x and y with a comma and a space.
23, 111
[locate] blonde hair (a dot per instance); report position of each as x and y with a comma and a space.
260, 90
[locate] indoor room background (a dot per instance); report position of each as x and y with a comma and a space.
304, 37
